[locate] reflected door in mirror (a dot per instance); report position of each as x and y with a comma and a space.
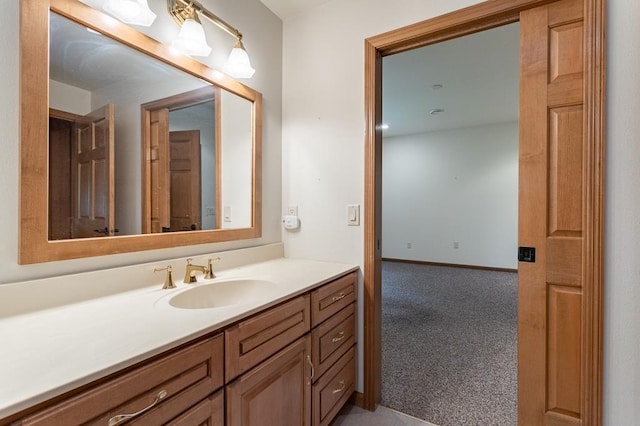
81, 174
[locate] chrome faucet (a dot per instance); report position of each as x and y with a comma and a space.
190, 273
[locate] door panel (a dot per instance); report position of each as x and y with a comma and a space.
159, 169
564, 350
92, 172
185, 199
552, 153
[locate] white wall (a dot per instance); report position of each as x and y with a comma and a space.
454, 185
237, 141
69, 98
262, 37
323, 130
622, 217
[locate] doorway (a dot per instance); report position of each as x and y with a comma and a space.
560, 315
182, 167
450, 229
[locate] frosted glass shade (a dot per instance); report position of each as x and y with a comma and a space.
135, 12
192, 40
238, 64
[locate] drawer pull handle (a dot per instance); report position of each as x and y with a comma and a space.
313, 370
341, 388
339, 296
338, 337
122, 417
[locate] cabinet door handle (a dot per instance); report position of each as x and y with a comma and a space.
339, 296
338, 337
341, 388
313, 370
122, 417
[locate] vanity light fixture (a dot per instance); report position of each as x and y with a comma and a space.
185, 12
191, 39
135, 12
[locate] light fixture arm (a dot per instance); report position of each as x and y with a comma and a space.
184, 9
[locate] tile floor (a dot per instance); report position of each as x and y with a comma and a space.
352, 415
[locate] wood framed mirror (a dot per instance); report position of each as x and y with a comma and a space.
71, 207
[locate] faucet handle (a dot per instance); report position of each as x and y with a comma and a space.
189, 261
209, 275
168, 280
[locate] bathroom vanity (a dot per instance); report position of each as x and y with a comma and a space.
285, 357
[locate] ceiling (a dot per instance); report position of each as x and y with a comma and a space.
286, 8
91, 61
478, 74
479, 77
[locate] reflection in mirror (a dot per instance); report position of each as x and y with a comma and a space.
84, 170
97, 85
181, 168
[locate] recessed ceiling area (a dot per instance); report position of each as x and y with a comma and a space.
478, 75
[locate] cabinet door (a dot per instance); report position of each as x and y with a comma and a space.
276, 392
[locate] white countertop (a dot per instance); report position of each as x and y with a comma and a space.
48, 352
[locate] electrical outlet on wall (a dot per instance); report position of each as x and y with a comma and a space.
409, 245
456, 245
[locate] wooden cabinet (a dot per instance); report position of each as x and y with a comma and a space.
159, 391
307, 382
255, 339
333, 347
209, 412
277, 392
334, 388
291, 364
332, 297
332, 339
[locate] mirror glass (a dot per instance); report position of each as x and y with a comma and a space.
138, 146
100, 104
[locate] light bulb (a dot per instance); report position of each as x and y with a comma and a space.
135, 12
191, 39
238, 64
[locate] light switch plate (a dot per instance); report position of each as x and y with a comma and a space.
353, 214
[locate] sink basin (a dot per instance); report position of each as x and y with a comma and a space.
223, 293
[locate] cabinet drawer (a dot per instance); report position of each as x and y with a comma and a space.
331, 339
187, 375
333, 389
253, 340
332, 297
209, 412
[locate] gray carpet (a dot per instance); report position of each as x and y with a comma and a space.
449, 352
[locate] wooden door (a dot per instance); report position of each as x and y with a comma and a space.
551, 212
61, 136
92, 172
184, 171
158, 124
276, 392
567, 225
